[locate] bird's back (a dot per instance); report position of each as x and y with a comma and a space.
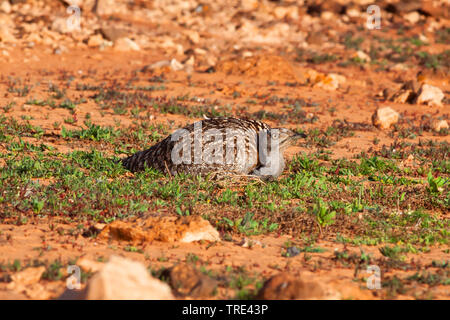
227, 145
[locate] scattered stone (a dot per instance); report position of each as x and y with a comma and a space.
89, 265
285, 287
167, 229
292, 251
403, 7
327, 15
412, 17
290, 12
175, 65
438, 125
200, 51
126, 44
157, 65
5, 7
27, 276
122, 279
362, 55
330, 82
27, 282
399, 67
249, 243
317, 38
407, 92
60, 25
113, 34
402, 96
193, 36
6, 34
430, 95
189, 64
383, 118
188, 281
353, 12
95, 40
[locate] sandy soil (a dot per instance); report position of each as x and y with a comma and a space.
275, 70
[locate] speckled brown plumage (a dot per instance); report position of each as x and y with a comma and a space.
227, 133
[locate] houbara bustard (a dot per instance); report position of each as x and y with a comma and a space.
219, 145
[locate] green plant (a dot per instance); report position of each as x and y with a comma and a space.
324, 215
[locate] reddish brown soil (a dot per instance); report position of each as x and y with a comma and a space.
235, 81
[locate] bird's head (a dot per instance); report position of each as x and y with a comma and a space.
286, 137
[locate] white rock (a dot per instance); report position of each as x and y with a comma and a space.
126, 44
330, 82
89, 265
95, 40
385, 117
175, 65
362, 55
5, 7
60, 25
283, 12
430, 95
327, 15
27, 276
107, 7
124, 279
412, 17
6, 34
193, 36
437, 125
204, 231
353, 13
200, 51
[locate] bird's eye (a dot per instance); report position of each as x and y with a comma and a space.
275, 135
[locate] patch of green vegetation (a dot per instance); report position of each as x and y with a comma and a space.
92, 132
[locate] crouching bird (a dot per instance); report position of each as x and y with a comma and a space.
219, 145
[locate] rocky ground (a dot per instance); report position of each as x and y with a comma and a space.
84, 83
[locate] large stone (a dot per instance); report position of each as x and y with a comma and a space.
126, 44
412, 17
286, 287
27, 282
27, 276
407, 93
430, 95
167, 229
95, 40
122, 279
188, 281
330, 82
437, 125
383, 118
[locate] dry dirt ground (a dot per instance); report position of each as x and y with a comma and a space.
353, 195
